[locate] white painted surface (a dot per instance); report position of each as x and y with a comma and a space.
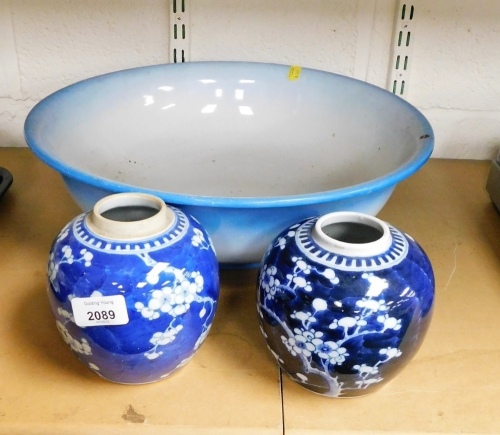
58, 42
10, 80
47, 44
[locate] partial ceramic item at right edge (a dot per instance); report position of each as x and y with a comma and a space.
344, 302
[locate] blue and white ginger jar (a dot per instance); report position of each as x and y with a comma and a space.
134, 286
344, 302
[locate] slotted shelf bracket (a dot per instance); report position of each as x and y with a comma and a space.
402, 47
179, 31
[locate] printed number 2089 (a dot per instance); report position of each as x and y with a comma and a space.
101, 315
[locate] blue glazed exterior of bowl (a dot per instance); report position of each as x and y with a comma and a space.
242, 233
341, 325
170, 284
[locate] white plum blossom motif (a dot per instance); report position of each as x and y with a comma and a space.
86, 257
199, 239
306, 343
372, 304
301, 265
348, 322
389, 322
299, 282
68, 257
65, 314
302, 377
162, 339
370, 375
92, 366
364, 369
331, 351
68, 254
281, 242
152, 355
172, 297
202, 338
319, 304
366, 382
390, 353
64, 232
173, 292
269, 282
304, 316
82, 346
303, 342
330, 275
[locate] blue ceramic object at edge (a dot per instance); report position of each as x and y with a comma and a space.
344, 302
164, 266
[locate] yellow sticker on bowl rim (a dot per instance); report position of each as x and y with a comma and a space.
294, 72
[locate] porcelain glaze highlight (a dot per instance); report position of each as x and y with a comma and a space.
246, 148
163, 266
344, 302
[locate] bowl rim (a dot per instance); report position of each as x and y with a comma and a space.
388, 180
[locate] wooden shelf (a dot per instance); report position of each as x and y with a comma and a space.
233, 386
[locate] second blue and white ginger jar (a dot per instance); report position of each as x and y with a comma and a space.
344, 302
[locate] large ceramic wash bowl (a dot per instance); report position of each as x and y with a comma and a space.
246, 148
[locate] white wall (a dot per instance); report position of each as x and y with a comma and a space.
47, 44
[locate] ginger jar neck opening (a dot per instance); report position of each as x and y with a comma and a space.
352, 234
130, 216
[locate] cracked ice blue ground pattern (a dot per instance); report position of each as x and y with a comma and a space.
171, 288
343, 326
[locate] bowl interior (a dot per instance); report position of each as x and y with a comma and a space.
227, 129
